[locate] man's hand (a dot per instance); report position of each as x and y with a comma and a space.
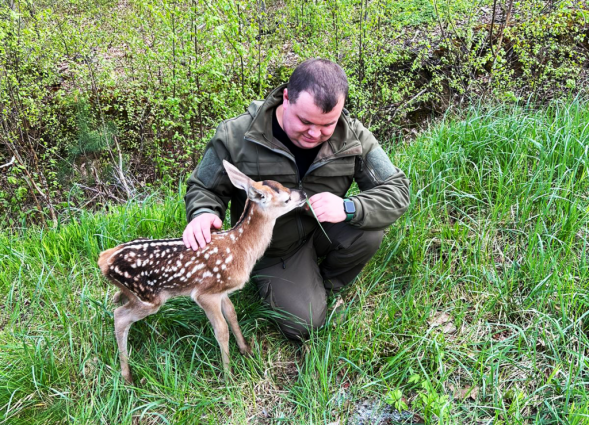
198, 232
328, 207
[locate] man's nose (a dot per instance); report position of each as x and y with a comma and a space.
314, 131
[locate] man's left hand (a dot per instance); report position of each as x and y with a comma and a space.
328, 207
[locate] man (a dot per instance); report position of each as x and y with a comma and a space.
302, 137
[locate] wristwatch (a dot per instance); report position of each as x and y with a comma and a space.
349, 209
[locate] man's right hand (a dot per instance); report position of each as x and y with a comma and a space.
198, 232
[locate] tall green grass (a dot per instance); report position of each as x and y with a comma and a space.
496, 238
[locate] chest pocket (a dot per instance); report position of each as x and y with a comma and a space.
336, 168
335, 176
281, 171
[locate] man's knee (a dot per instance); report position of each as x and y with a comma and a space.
344, 237
348, 255
298, 300
361, 244
371, 240
298, 327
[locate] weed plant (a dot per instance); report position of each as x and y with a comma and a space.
473, 311
99, 98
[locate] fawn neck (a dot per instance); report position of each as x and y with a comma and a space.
252, 233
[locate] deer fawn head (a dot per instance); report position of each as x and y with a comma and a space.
148, 272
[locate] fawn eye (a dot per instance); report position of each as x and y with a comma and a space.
287, 201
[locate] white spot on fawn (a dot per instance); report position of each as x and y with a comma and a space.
229, 259
197, 267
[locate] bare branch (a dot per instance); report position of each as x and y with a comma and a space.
8, 164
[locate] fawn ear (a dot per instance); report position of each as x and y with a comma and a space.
239, 180
256, 195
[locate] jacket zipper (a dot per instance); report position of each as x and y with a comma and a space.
291, 157
311, 168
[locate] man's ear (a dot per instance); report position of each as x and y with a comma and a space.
239, 180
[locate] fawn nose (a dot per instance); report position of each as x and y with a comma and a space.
303, 196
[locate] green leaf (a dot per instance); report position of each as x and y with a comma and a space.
314, 215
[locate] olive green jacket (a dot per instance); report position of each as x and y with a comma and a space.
352, 153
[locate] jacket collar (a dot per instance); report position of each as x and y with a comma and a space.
343, 142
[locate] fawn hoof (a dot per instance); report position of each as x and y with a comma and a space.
246, 350
128, 378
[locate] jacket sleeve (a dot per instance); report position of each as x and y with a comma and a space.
384, 188
208, 188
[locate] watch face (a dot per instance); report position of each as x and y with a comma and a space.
349, 207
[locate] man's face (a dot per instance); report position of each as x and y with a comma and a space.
305, 123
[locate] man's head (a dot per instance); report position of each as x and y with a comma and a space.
313, 102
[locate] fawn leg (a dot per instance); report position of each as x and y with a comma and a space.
231, 317
119, 298
125, 316
211, 304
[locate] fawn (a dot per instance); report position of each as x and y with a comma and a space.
148, 272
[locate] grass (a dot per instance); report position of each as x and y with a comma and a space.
473, 311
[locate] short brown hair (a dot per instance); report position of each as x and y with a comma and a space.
326, 81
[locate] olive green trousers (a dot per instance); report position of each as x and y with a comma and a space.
297, 287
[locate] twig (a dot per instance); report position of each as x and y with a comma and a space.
500, 41
100, 192
409, 101
122, 178
491, 28
8, 163
503, 26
